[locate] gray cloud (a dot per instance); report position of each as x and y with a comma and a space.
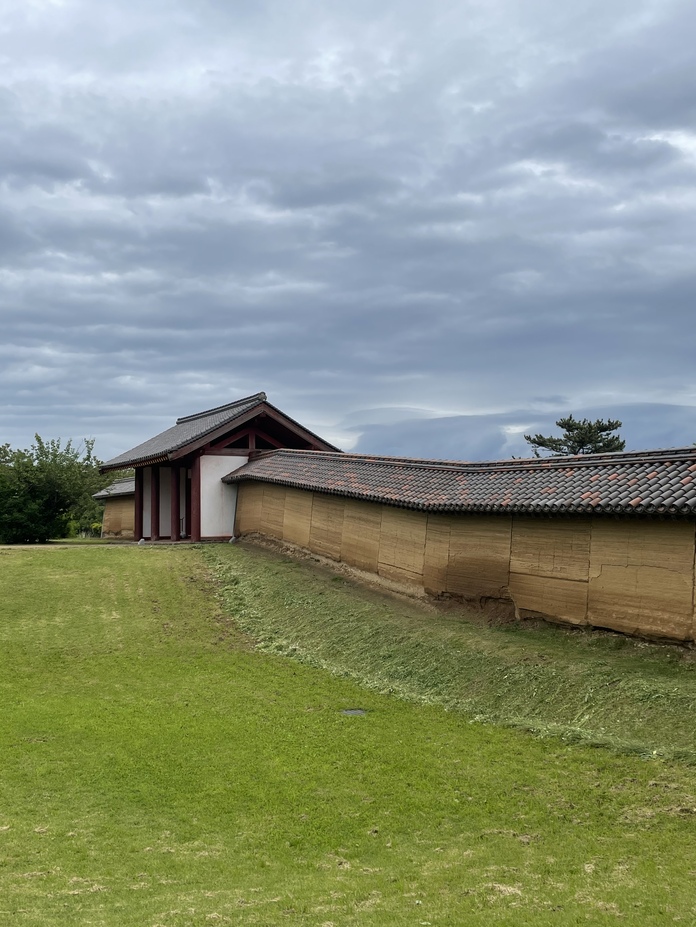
465, 211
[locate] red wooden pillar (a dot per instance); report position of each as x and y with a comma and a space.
138, 524
154, 504
196, 500
175, 493
187, 502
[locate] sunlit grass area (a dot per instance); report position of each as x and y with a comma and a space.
157, 768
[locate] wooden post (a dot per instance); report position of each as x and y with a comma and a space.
196, 500
138, 523
187, 502
154, 503
175, 495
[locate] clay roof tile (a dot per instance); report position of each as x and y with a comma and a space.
607, 483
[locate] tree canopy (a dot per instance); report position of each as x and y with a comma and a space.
580, 437
46, 487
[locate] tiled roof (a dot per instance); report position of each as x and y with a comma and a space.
192, 428
122, 487
187, 429
640, 483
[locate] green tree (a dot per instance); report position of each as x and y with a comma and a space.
45, 486
580, 437
87, 514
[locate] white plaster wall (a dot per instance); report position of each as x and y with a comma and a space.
218, 499
147, 522
165, 501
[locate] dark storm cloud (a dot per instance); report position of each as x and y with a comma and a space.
469, 220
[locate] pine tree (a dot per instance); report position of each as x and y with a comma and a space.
580, 437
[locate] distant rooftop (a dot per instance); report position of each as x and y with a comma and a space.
660, 482
122, 487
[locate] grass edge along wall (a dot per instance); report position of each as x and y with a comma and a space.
634, 575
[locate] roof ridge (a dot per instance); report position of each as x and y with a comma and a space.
660, 483
261, 397
525, 463
366, 457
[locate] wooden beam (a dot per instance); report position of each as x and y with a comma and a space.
232, 437
196, 500
187, 501
175, 507
138, 523
295, 428
251, 433
271, 441
246, 419
154, 503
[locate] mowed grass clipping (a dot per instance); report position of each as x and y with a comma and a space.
156, 769
585, 686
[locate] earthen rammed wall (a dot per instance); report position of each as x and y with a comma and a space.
119, 518
632, 575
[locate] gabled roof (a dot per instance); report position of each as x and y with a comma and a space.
191, 429
649, 482
123, 487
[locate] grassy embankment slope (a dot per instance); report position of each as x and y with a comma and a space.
157, 769
593, 687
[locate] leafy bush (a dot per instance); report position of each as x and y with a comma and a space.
45, 487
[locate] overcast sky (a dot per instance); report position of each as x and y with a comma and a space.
423, 230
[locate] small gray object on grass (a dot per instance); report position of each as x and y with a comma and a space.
141, 542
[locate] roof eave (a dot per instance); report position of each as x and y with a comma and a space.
135, 462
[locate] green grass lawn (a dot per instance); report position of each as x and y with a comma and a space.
158, 769
594, 687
